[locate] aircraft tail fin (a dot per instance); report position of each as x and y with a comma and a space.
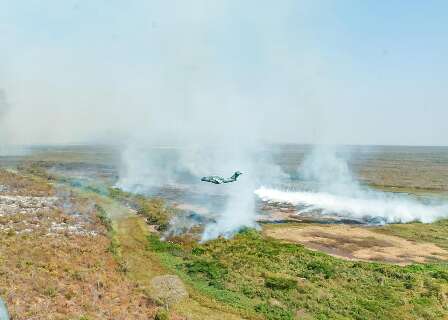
235, 175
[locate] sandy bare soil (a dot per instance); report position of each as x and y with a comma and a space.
358, 243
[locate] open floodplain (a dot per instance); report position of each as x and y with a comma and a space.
76, 244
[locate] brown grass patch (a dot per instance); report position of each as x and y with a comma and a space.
359, 243
66, 277
55, 261
18, 185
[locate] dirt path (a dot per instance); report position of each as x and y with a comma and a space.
358, 243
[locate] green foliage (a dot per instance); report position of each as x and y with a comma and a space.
274, 312
212, 271
440, 274
162, 314
249, 271
157, 245
104, 217
37, 168
426, 232
153, 209
120, 195
198, 251
320, 267
114, 246
280, 283
85, 185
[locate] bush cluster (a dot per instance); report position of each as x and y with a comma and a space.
280, 283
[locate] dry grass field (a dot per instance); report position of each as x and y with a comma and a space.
55, 262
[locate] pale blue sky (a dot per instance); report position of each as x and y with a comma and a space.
356, 72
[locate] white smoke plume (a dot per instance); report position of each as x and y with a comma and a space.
367, 206
7, 149
337, 192
213, 80
146, 168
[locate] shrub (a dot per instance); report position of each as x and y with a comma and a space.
155, 211
161, 314
103, 217
197, 251
321, 267
440, 274
274, 312
280, 283
212, 271
120, 195
114, 247
155, 244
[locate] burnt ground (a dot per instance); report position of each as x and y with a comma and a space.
55, 258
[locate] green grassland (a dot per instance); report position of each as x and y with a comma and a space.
436, 232
265, 278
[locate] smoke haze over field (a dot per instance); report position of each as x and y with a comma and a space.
147, 169
336, 192
220, 79
220, 71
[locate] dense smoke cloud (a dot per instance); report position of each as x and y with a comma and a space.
215, 79
337, 192
147, 168
200, 77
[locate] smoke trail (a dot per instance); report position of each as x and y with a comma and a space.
329, 170
238, 213
338, 193
369, 206
149, 169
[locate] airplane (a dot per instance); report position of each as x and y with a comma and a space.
221, 180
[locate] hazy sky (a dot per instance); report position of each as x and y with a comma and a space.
354, 72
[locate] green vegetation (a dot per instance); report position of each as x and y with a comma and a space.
162, 315
104, 218
154, 210
273, 280
280, 283
114, 245
36, 169
422, 232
